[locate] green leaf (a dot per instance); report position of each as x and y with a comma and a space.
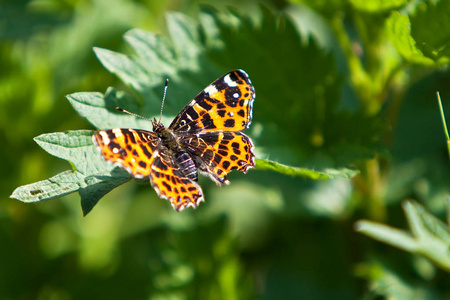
431, 30
387, 234
92, 177
75, 146
125, 68
155, 59
101, 111
377, 6
399, 31
57, 186
424, 224
429, 236
386, 283
185, 40
153, 50
265, 164
98, 186
91, 188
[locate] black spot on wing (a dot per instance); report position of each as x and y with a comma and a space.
205, 105
168, 187
132, 138
221, 112
225, 164
211, 139
222, 152
145, 150
111, 135
217, 159
190, 111
229, 123
207, 122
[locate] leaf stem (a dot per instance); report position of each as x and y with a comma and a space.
443, 122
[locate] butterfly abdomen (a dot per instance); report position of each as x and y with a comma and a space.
186, 164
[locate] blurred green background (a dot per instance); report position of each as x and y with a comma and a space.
338, 84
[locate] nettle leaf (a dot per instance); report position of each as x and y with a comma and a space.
376, 6
124, 67
60, 185
74, 146
429, 236
99, 185
431, 30
398, 28
92, 177
100, 110
265, 164
151, 49
90, 188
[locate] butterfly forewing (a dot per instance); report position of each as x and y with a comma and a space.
224, 105
130, 149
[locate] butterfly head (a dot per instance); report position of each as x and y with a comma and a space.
157, 126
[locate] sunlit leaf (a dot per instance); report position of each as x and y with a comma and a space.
75, 146
375, 6
431, 30
399, 30
265, 164
59, 185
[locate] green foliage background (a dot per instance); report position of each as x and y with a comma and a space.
339, 84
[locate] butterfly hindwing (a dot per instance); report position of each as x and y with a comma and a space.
170, 183
218, 153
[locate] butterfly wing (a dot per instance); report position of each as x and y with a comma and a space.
217, 153
141, 153
170, 183
226, 104
129, 149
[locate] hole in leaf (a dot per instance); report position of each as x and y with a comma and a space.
36, 192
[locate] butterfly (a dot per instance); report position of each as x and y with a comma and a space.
205, 136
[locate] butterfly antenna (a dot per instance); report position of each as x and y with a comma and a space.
164, 97
133, 114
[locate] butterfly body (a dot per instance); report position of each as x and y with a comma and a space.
205, 136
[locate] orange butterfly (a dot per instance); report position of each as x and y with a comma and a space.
205, 136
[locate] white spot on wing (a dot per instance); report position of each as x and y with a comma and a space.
236, 95
117, 132
228, 81
104, 137
115, 150
210, 89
